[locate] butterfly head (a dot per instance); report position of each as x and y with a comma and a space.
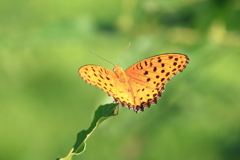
120, 73
117, 68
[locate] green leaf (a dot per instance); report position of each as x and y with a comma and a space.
101, 114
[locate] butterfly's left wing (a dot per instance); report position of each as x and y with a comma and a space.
149, 76
107, 81
99, 76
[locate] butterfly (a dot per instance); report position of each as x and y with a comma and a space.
141, 84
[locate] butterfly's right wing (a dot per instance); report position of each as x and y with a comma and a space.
99, 76
149, 76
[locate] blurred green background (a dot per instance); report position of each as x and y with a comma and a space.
44, 102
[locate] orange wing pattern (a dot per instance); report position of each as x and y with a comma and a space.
141, 84
149, 76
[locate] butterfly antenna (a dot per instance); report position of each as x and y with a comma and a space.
124, 53
101, 58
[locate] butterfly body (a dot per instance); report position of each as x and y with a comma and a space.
141, 84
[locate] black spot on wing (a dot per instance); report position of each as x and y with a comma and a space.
145, 73
154, 69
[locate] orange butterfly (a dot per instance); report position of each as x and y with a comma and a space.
141, 84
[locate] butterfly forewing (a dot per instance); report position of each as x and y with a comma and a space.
99, 76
